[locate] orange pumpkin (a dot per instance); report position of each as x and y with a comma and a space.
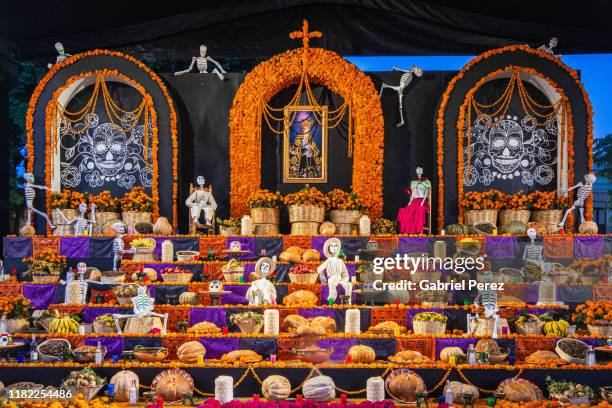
362, 354
189, 352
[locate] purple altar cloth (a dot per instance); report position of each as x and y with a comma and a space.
410, 245
215, 348
74, 247
318, 242
41, 296
340, 346
208, 314
588, 247
114, 345
90, 313
308, 313
500, 247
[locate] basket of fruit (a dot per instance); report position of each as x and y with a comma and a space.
567, 392
104, 324
304, 274
85, 382
54, 350
63, 324
232, 271
143, 249
125, 293
528, 323
429, 323
176, 274
573, 351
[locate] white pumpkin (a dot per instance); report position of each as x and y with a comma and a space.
447, 352
123, 382
319, 389
458, 389
276, 388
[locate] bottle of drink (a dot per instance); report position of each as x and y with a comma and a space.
33, 348
448, 394
99, 356
3, 324
590, 357
133, 394
471, 355
69, 275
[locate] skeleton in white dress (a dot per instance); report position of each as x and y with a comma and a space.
262, 291
336, 271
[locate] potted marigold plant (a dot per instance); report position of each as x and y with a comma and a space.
383, 226
515, 207
248, 322
306, 210
481, 207
596, 316
46, 266
65, 208
108, 209
16, 311
547, 209
345, 210
136, 206
264, 205
229, 226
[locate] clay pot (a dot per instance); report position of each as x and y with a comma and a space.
162, 227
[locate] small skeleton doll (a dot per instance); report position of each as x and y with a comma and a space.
584, 191
62, 54
533, 251
201, 63
405, 80
30, 195
550, 47
76, 290
334, 266
118, 244
143, 307
488, 298
262, 291
201, 200
82, 224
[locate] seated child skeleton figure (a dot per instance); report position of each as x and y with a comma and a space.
334, 266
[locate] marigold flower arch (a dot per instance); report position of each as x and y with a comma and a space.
325, 68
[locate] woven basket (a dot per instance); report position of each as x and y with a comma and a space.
345, 216
484, 327
100, 328
229, 230
177, 277
17, 325
51, 359
472, 217
144, 254
62, 230
131, 218
265, 215
547, 217
346, 229
567, 357
483, 228
232, 274
605, 331
105, 217
425, 327
304, 228
530, 328
303, 278
306, 213
43, 277
505, 216
69, 215
265, 229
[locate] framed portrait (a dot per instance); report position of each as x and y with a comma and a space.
305, 144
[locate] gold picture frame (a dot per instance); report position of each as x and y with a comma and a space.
305, 161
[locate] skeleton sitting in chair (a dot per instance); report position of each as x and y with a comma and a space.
336, 271
201, 200
143, 311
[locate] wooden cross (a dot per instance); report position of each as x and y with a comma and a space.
305, 35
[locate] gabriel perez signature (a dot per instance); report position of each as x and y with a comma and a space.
437, 285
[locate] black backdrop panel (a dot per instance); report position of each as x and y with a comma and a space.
203, 103
82, 154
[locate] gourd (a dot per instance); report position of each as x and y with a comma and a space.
311, 255
588, 227
362, 354
189, 352
447, 352
319, 389
189, 298
457, 229
173, 386
405, 385
487, 345
162, 226
276, 388
123, 382
515, 227
458, 389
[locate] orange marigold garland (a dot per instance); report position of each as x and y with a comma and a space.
451, 86
275, 74
173, 118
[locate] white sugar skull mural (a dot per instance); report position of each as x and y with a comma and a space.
98, 154
509, 148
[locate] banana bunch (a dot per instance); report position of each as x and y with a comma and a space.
556, 328
63, 324
143, 243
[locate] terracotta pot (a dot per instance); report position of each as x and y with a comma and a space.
162, 226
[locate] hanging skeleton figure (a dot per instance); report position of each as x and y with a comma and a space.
143, 307
584, 191
30, 194
488, 298
62, 54
201, 63
404, 82
549, 48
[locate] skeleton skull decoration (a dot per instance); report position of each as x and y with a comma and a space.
508, 148
109, 149
215, 286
